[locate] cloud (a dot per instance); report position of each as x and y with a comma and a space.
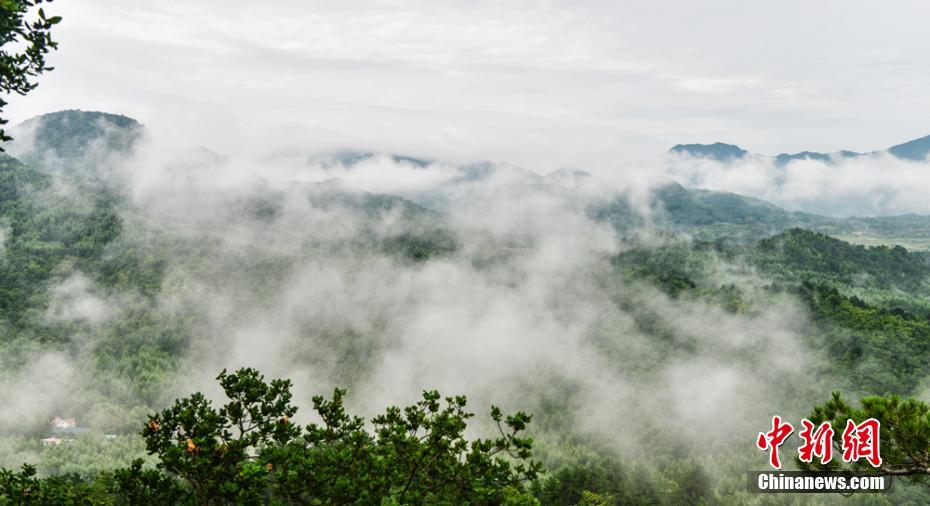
273, 260
526, 301
541, 85
73, 300
871, 185
36, 391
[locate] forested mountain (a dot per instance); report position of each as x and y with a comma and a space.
914, 150
73, 134
122, 290
808, 253
712, 216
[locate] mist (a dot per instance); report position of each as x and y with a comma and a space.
870, 185
282, 262
471, 197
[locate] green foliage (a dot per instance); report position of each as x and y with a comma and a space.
886, 351
876, 344
599, 480
41, 236
684, 270
123, 487
249, 449
422, 236
135, 485
811, 256
418, 454
675, 269
212, 449
24, 43
904, 436
72, 134
90, 454
421, 246
710, 215
594, 477
738, 220
24, 488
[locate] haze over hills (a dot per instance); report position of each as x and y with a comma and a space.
915, 150
436, 253
136, 275
78, 135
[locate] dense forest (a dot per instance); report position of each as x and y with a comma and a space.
639, 343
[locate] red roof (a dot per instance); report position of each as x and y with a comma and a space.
61, 423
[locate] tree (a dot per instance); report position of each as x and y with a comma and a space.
25, 488
214, 450
135, 485
904, 437
417, 455
249, 451
33, 40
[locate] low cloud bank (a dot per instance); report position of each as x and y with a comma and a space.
868, 185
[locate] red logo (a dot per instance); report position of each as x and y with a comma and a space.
858, 441
817, 442
773, 439
861, 441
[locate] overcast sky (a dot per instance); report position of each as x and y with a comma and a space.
594, 84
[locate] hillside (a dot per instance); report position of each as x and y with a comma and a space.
73, 134
809, 253
513, 288
729, 217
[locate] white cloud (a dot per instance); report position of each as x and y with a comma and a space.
872, 185
540, 84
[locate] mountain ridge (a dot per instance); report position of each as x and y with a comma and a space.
914, 150
703, 213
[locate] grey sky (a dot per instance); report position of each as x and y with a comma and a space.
541, 84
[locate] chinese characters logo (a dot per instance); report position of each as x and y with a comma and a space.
858, 441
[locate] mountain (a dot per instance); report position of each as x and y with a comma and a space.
73, 134
784, 158
716, 151
351, 158
702, 207
733, 218
65, 138
915, 150
358, 288
711, 215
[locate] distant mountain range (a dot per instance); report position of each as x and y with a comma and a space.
711, 215
915, 150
